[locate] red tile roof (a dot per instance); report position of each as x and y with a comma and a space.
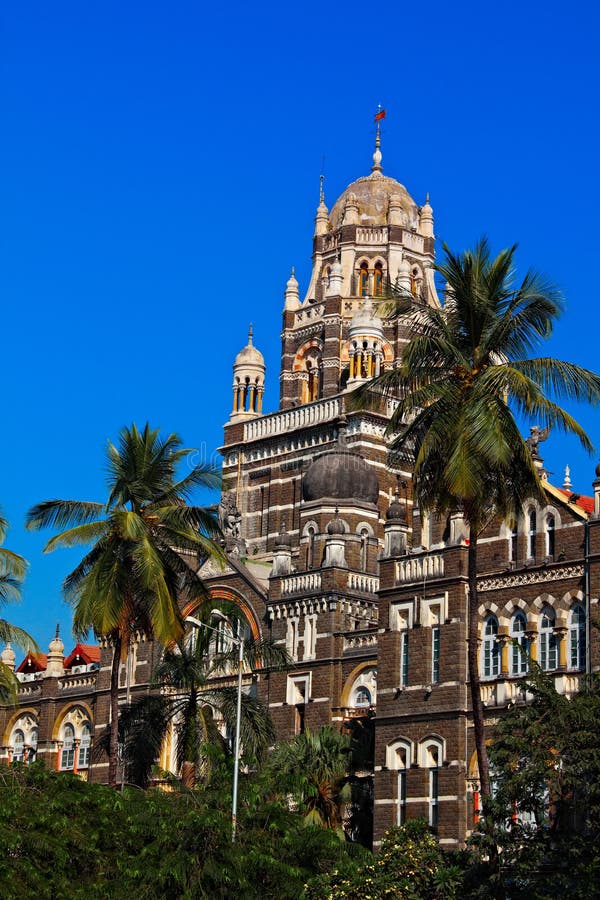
33, 662
585, 503
83, 654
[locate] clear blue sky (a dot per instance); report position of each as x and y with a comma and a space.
159, 170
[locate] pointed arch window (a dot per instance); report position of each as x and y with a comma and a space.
513, 544
491, 649
378, 280
548, 656
531, 534
550, 536
67, 757
363, 280
310, 550
519, 649
364, 549
577, 643
18, 753
84, 746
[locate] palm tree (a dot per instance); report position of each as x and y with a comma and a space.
313, 769
134, 575
193, 694
464, 377
12, 572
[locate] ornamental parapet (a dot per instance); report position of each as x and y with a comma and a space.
364, 584
417, 568
538, 575
306, 583
357, 641
292, 419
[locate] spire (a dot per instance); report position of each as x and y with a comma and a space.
250, 333
379, 115
322, 217
321, 192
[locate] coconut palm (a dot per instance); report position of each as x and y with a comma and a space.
193, 693
464, 377
135, 574
313, 769
12, 572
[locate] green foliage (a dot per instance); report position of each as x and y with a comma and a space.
63, 837
543, 827
312, 769
12, 572
409, 866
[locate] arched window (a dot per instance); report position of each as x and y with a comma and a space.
363, 280
84, 746
310, 550
577, 644
513, 544
362, 697
550, 536
548, 657
491, 650
67, 757
531, 534
18, 743
378, 280
398, 758
518, 657
364, 548
432, 759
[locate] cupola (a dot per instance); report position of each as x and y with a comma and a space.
248, 381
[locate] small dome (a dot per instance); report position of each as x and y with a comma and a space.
395, 511
56, 646
250, 355
366, 321
336, 526
8, 656
598, 470
340, 474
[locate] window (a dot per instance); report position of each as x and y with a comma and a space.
550, 536
363, 280
519, 649
67, 758
84, 746
532, 521
364, 547
291, 638
491, 649
18, 753
435, 654
398, 758
378, 280
404, 659
433, 760
310, 636
513, 545
310, 550
577, 644
547, 641
298, 695
362, 697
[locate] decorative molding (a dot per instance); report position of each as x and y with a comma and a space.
530, 577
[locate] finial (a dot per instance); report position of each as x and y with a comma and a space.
427, 197
250, 333
567, 483
379, 115
57, 630
293, 271
321, 191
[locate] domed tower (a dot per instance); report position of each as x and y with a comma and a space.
248, 381
374, 239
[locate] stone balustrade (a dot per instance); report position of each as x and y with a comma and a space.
292, 419
419, 568
365, 584
300, 584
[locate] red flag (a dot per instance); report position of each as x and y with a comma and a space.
380, 115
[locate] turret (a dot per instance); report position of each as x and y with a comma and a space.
426, 219
248, 381
56, 655
292, 294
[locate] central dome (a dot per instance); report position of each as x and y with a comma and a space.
372, 195
340, 474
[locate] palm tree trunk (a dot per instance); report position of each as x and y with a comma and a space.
473, 657
113, 752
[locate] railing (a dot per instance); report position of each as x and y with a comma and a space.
359, 640
366, 584
80, 680
301, 584
417, 568
376, 235
291, 419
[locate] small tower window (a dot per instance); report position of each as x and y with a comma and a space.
364, 547
550, 536
532, 534
310, 551
378, 280
363, 280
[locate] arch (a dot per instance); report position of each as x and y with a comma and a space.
399, 754
77, 712
364, 526
363, 279
378, 279
229, 595
358, 678
432, 751
543, 600
12, 722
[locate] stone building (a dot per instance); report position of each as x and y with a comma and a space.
328, 555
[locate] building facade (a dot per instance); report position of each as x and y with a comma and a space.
328, 555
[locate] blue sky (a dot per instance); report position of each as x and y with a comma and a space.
159, 176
